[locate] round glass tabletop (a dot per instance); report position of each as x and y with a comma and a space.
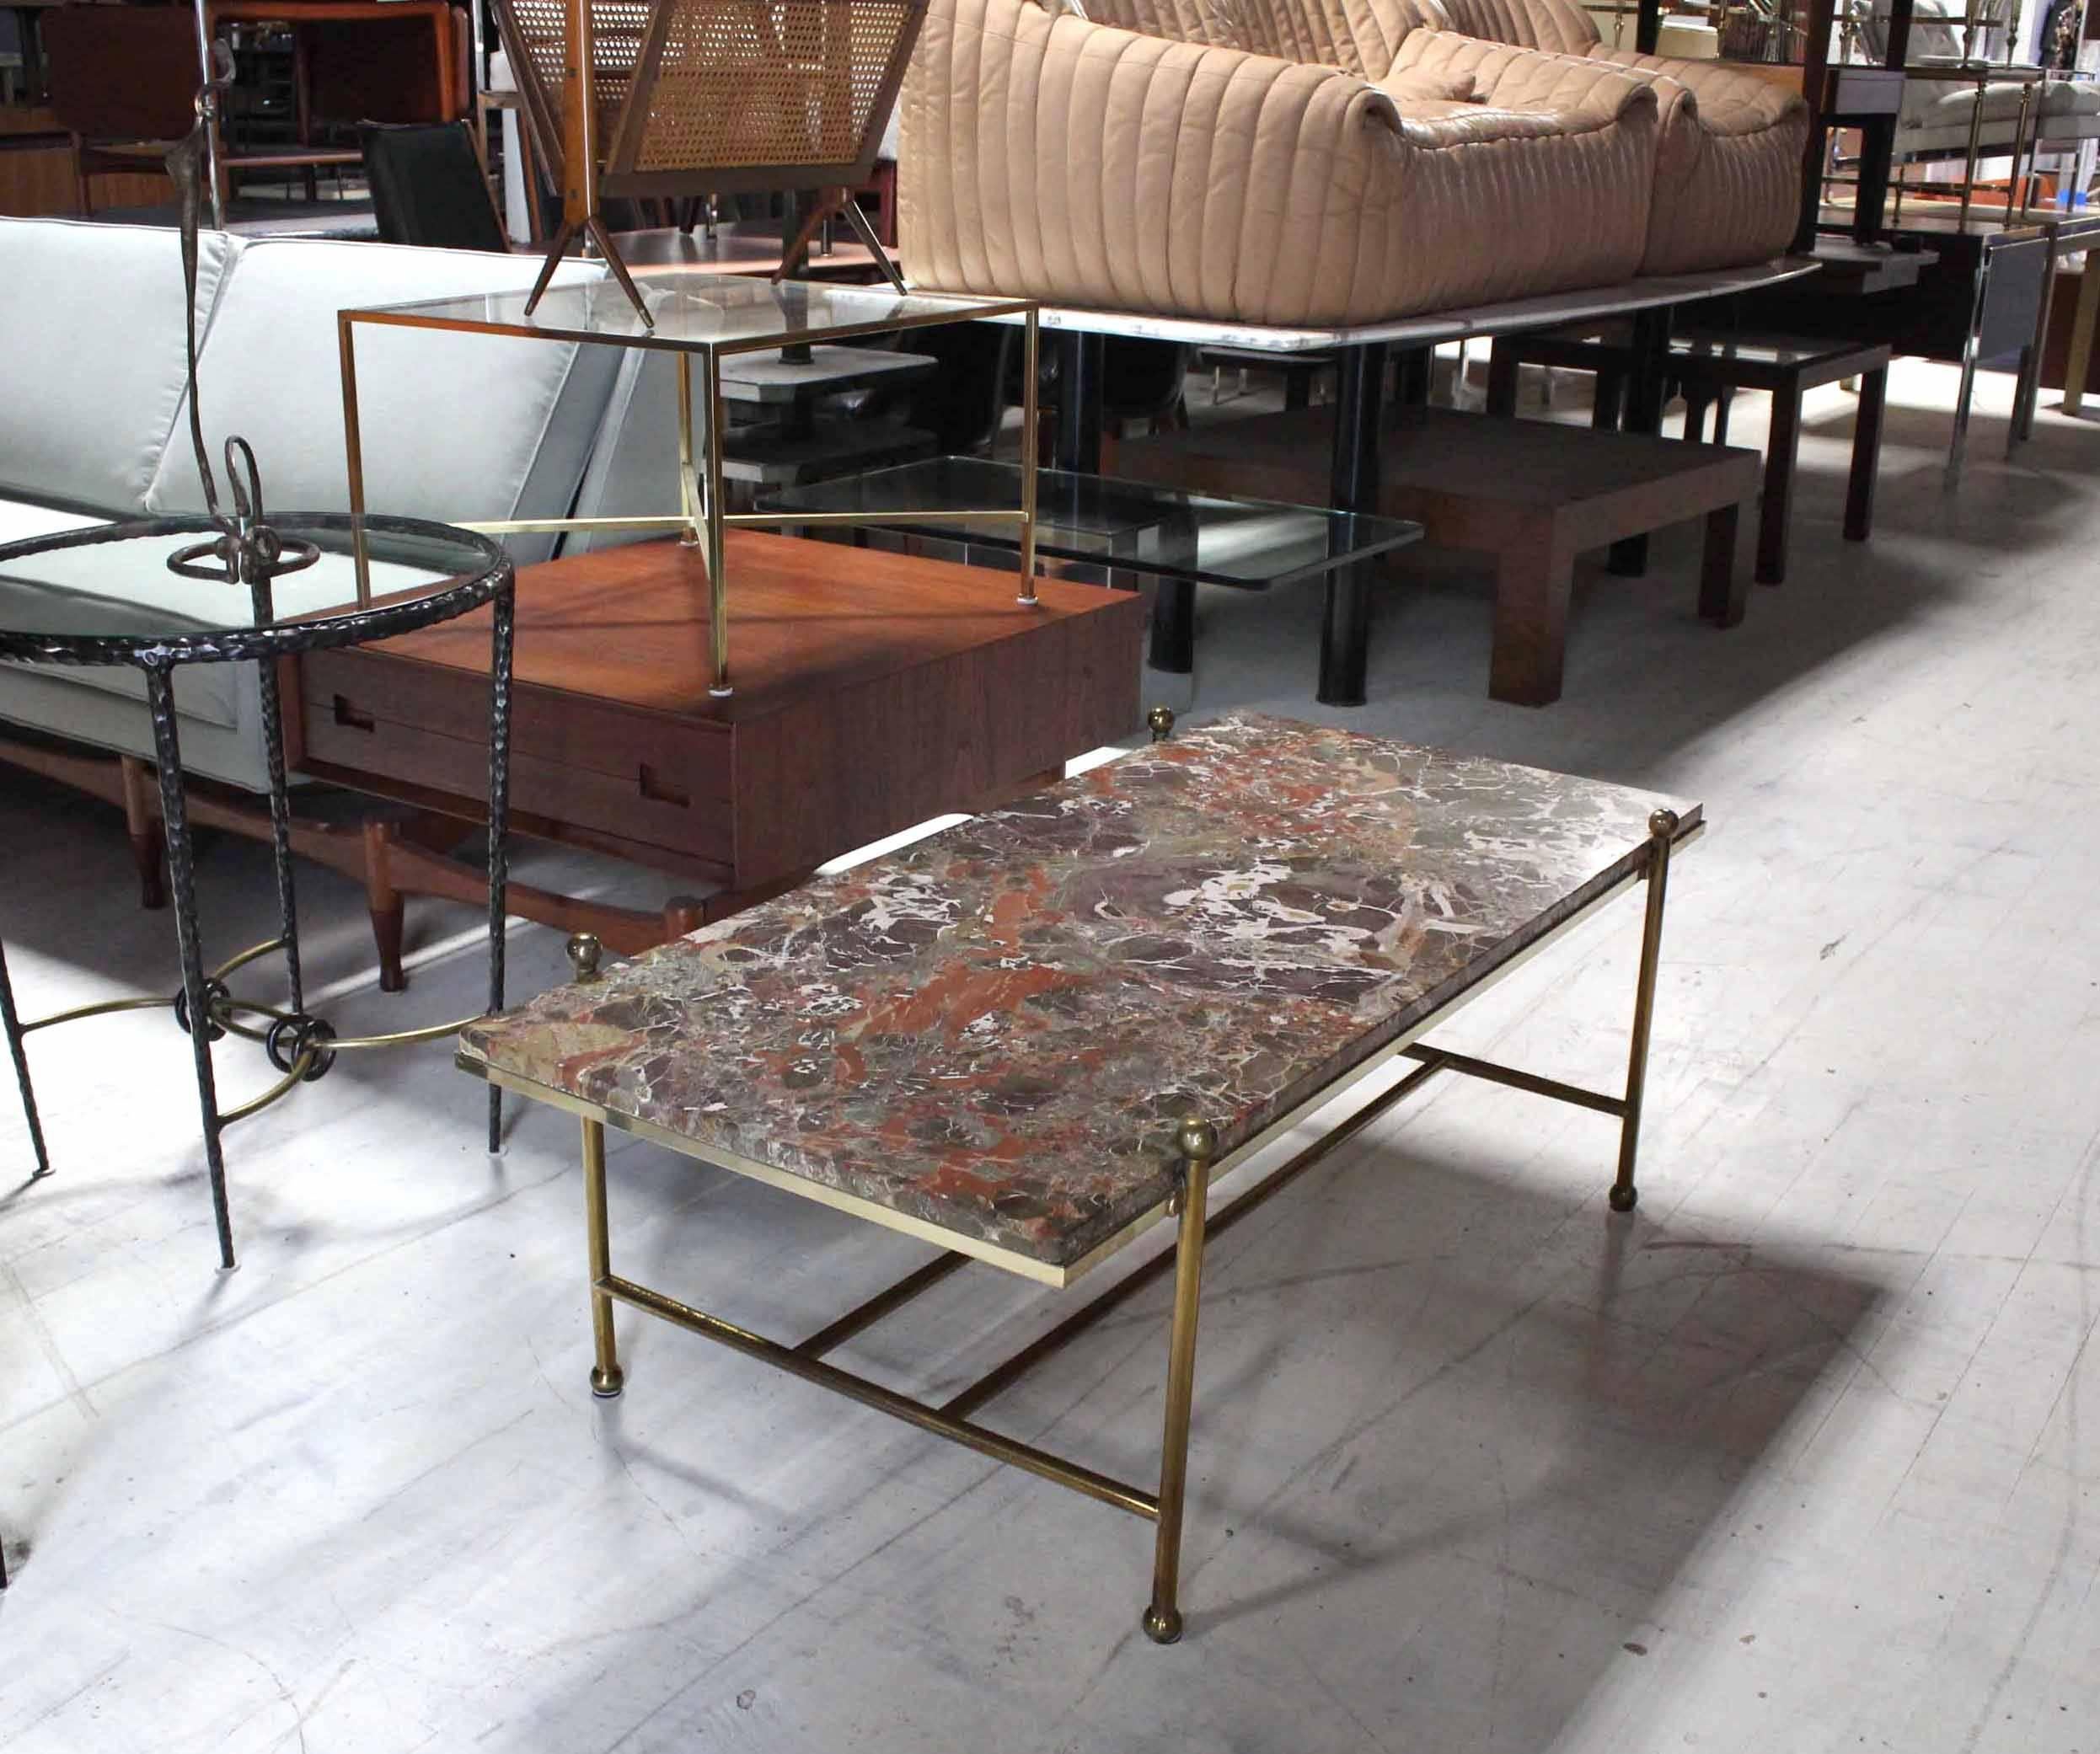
104, 593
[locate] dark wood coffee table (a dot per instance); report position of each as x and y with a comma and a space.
1710, 365
874, 691
1029, 1037
1532, 494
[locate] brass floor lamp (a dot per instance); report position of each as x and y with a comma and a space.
662, 99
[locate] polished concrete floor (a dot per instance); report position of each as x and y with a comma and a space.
1798, 1458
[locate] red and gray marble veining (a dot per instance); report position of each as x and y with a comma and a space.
998, 1030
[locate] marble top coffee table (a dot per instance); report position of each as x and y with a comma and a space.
1030, 1037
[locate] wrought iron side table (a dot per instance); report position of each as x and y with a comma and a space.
55, 609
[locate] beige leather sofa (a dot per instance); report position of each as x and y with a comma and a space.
1323, 162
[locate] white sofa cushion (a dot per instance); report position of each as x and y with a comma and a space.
92, 355
20, 521
454, 427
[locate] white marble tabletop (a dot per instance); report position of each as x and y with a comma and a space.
1508, 316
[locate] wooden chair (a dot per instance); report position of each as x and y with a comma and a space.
685, 98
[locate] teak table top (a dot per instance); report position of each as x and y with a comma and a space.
993, 1034
630, 624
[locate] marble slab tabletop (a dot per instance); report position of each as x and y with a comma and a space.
1542, 310
996, 1032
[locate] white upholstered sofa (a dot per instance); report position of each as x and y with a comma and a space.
94, 426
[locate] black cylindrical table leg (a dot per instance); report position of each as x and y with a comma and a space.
160, 699
1080, 363
1646, 383
1173, 627
13, 1020
505, 607
1345, 637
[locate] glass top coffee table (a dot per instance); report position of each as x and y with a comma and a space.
72, 599
711, 318
1182, 539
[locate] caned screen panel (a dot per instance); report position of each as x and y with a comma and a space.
789, 82
536, 34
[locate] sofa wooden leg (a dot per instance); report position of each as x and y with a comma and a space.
390, 911
141, 821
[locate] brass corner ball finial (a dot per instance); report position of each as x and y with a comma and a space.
1196, 1141
1663, 823
584, 951
1161, 721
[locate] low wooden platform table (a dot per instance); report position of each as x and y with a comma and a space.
875, 691
1710, 365
1029, 1037
1532, 494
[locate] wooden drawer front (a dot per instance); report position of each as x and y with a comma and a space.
568, 730
678, 803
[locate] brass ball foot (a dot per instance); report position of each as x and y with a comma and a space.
606, 1385
1163, 1628
1623, 1200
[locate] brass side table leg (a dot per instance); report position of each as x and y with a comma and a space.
1198, 1145
354, 457
607, 1379
715, 529
2078, 362
1662, 828
688, 490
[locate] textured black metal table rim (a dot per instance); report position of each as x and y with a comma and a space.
300, 1046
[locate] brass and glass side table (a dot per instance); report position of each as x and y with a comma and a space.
343, 582
712, 319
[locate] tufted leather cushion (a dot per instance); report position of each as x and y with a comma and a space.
1728, 175
1420, 82
1056, 158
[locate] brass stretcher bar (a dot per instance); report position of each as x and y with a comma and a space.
1199, 1167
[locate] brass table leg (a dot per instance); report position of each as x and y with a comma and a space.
713, 530
606, 1378
688, 492
1661, 828
1198, 1145
2078, 362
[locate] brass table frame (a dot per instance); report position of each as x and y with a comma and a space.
1198, 1168
702, 517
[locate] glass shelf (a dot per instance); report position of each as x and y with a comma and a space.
696, 313
1129, 526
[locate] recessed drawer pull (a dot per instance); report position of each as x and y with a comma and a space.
654, 789
348, 715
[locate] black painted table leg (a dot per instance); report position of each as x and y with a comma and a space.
1859, 491
1502, 378
1346, 634
1782, 451
1173, 627
12, 1018
505, 608
1645, 377
160, 701
281, 827
1080, 363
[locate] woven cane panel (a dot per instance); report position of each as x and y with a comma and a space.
538, 30
759, 82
